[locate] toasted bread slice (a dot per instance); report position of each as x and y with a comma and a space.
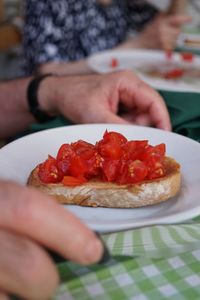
105, 194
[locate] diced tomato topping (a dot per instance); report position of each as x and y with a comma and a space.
84, 149
63, 158
110, 170
110, 145
110, 150
156, 152
113, 136
73, 181
155, 169
114, 63
112, 159
64, 152
132, 172
134, 149
48, 171
187, 56
77, 166
174, 74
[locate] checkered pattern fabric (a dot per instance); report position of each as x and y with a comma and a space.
159, 262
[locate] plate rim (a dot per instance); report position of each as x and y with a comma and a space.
90, 62
180, 217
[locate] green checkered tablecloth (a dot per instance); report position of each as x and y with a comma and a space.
159, 262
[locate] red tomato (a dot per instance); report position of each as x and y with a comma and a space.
132, 172
174, 74
157, 152
111, 150
187, 56
63, 158
83, 148
114, 63
88, 154
111, 145
155, 169
73, 181
134, 149
94, 166
110, 169
77, 166
113, 159
48, 171
64, 152
114, 137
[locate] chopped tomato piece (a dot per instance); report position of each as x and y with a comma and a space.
64, 152
174, 74
187, 56
110, 169
94, 166
64, 157
155, 169
77, 166
110, 149
83, 149
111, 145
134, 149
114, 137
114, 63
132, 172
73, 181
157, 152
48, 171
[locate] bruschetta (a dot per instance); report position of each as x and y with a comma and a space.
114, 173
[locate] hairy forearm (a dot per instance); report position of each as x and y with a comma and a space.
65, 68
14, 114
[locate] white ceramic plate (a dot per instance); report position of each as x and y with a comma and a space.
18, 158
135, 59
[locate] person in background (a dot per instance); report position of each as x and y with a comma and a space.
58, 36
31, 222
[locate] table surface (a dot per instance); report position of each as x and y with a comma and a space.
158, 262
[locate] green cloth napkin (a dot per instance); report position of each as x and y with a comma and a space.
184, 109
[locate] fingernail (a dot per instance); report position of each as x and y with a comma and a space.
105, 254
94, 250
167, 127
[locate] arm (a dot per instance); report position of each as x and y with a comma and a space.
70, 95
14, 114
65, 68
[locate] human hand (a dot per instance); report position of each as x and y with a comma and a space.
162, 32
97, 99
29, 223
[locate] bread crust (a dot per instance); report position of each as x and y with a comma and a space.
105, 194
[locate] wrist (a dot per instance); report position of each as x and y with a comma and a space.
47, 95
